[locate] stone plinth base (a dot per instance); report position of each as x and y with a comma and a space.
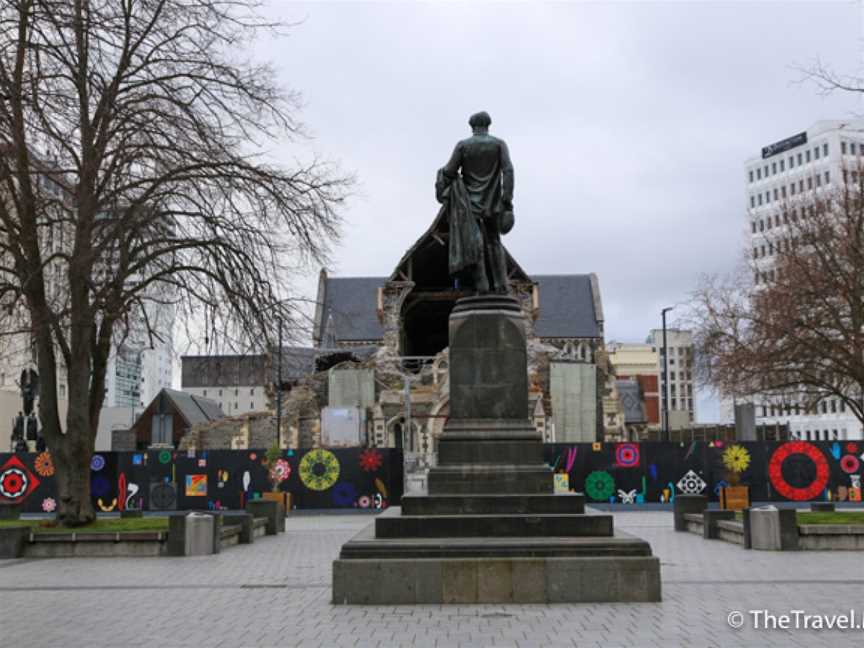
495, 580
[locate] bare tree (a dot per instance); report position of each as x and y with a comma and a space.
133, 176
789, 323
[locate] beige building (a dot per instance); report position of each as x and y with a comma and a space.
682, 396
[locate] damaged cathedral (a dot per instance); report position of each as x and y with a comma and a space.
381, 355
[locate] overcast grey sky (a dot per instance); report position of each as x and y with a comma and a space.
628, 125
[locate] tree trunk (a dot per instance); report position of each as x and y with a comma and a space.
72, 465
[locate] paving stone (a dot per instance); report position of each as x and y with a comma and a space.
277, 592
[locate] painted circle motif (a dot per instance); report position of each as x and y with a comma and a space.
49, 505
44, 465
599, 485
850, 464
344, 494
281, 471
319, 469
736, 458
163, 496
627, 455
370, 460
851, 447
97, 463
787, 490
364, 501
164, 456
13, 483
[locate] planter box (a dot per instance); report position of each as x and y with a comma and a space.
279, 496
836, 537
735, 498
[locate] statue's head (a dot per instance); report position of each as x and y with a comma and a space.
480, 121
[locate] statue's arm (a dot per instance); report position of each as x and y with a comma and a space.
452, 167
507, 173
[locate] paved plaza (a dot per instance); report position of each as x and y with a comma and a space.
276, 592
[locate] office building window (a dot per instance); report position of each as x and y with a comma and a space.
252, 392
251, 406
792, 188
825, 149
843, 148
760, 199
807, 155
773, 168
761, 226
800, 185
751, 176
752, 201
767, 197
758, 174
782, 163
816, 153
755, 253
791, 161
783, 191
776, 194
827, 177
753, 226
852, 148
765, 171
205, 393
818, 180
810, 183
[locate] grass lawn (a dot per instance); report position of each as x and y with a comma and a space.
837, 517
106, 525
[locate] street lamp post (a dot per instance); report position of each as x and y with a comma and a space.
665, 369
279, 389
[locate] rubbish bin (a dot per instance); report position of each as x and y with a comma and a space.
199, 534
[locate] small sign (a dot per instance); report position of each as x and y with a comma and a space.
562, 483
784, 145
734, 498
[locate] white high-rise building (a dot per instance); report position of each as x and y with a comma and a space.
798, 167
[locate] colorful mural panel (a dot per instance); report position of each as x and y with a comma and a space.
623, 473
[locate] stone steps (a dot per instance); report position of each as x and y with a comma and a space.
394, 525
365, 545
569, 503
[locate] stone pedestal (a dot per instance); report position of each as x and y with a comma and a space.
491, 530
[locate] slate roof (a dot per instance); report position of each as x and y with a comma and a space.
567, 308
195, 409
350, 308
245, 370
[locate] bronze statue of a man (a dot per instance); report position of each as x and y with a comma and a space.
479, 204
